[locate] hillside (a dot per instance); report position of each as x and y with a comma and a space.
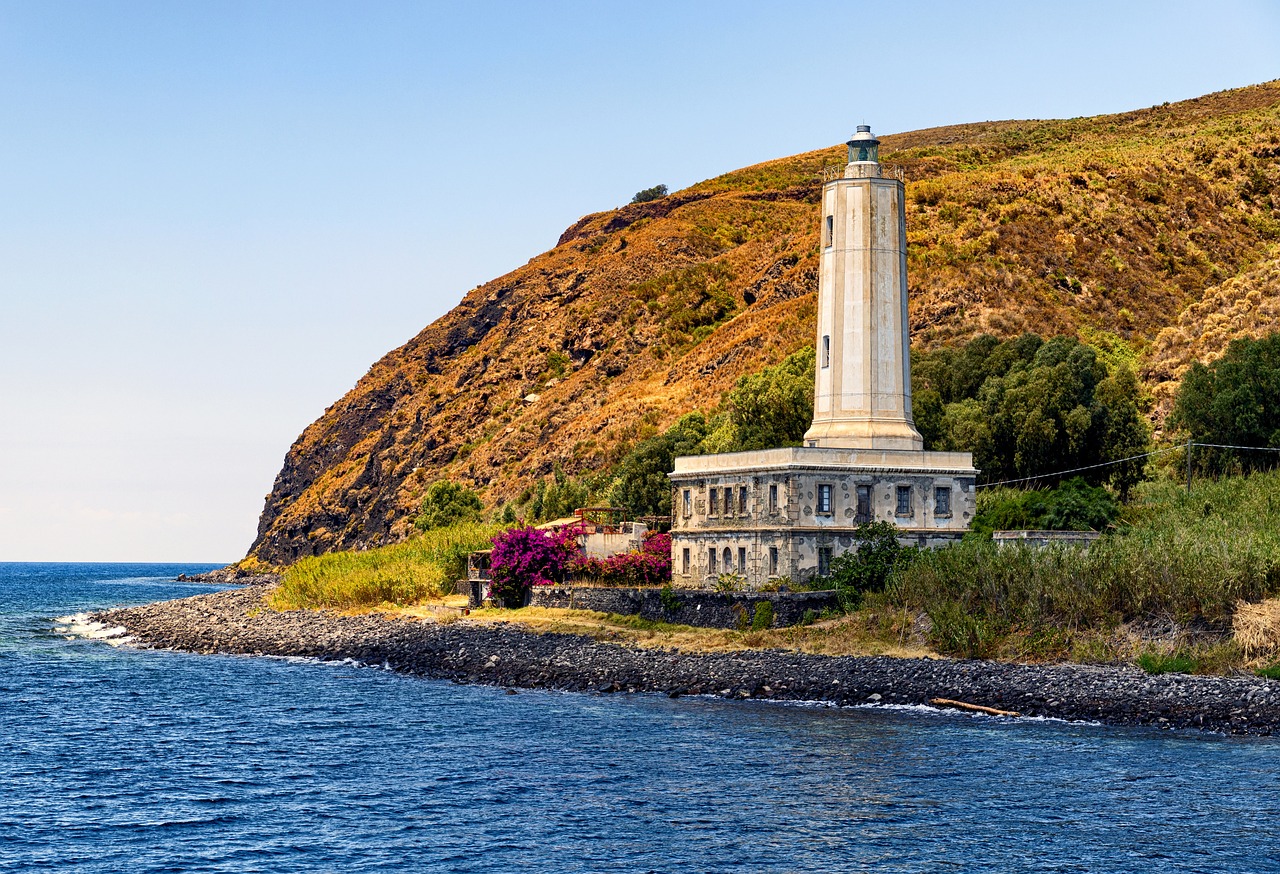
1160, 226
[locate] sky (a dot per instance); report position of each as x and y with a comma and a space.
215, 216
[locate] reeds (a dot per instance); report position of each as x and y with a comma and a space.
1184, 556
403, 573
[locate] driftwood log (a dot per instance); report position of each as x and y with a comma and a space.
962, 705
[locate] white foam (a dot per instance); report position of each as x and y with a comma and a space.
79, 625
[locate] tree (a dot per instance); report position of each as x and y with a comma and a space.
447, 503
649, 194
640, 483
1041, 406
774, 407
1234, 401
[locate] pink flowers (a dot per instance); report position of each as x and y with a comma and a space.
524, 557
649, 566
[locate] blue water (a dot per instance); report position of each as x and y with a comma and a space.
113, 759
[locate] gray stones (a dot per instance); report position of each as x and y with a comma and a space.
236, 621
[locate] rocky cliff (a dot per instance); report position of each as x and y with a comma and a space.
1159, 227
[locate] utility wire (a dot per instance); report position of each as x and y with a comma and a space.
1229, 446
1086, 467
1179, 446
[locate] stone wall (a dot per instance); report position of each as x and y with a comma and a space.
697, 607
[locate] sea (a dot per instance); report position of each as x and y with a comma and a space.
118, 759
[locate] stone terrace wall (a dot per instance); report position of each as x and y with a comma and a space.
697, 607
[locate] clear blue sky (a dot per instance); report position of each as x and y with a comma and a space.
214, 216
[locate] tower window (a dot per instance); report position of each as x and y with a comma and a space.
942, 501
728, 501
773, 498
711, 561
728, 559
742, 559
684, 561
824, 498
742, 500
904, 500
688, 502
714, 509
826, 350
828, 231
773, 561
864, 505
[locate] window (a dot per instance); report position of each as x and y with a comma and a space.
742, 559
711, 561
728, 559
715, 503
824, 561
773, 498
824, 498
864, 505
728, 501
904, 500
829, 232
684, 561
773, 561
688, 502
826, 350
742, 500
942, 501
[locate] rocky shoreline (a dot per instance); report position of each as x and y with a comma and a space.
235, 621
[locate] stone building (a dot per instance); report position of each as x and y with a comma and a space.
787, 512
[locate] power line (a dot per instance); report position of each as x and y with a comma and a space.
1055, 473
1229, 446
1179, 446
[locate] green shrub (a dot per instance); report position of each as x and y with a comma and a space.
729, 582
960, 632
446, 504
763, 617
1073, 506
1271, 672
648, 194
868, 567
1166, 663
667, 597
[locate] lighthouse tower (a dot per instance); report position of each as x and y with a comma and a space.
862, 386
784, 514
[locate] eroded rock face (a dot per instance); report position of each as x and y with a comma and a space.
644, 313
236, 621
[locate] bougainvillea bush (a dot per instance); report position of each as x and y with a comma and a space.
525, 557
648, 566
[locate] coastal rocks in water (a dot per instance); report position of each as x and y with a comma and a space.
238, 621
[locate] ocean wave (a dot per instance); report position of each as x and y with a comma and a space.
80, 626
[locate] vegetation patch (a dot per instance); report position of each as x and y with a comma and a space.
416, 570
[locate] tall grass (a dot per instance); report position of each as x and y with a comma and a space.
403, 573
1180, 556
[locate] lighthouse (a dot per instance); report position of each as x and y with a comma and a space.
862, 384
775, 515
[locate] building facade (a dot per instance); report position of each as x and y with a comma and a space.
786, 513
